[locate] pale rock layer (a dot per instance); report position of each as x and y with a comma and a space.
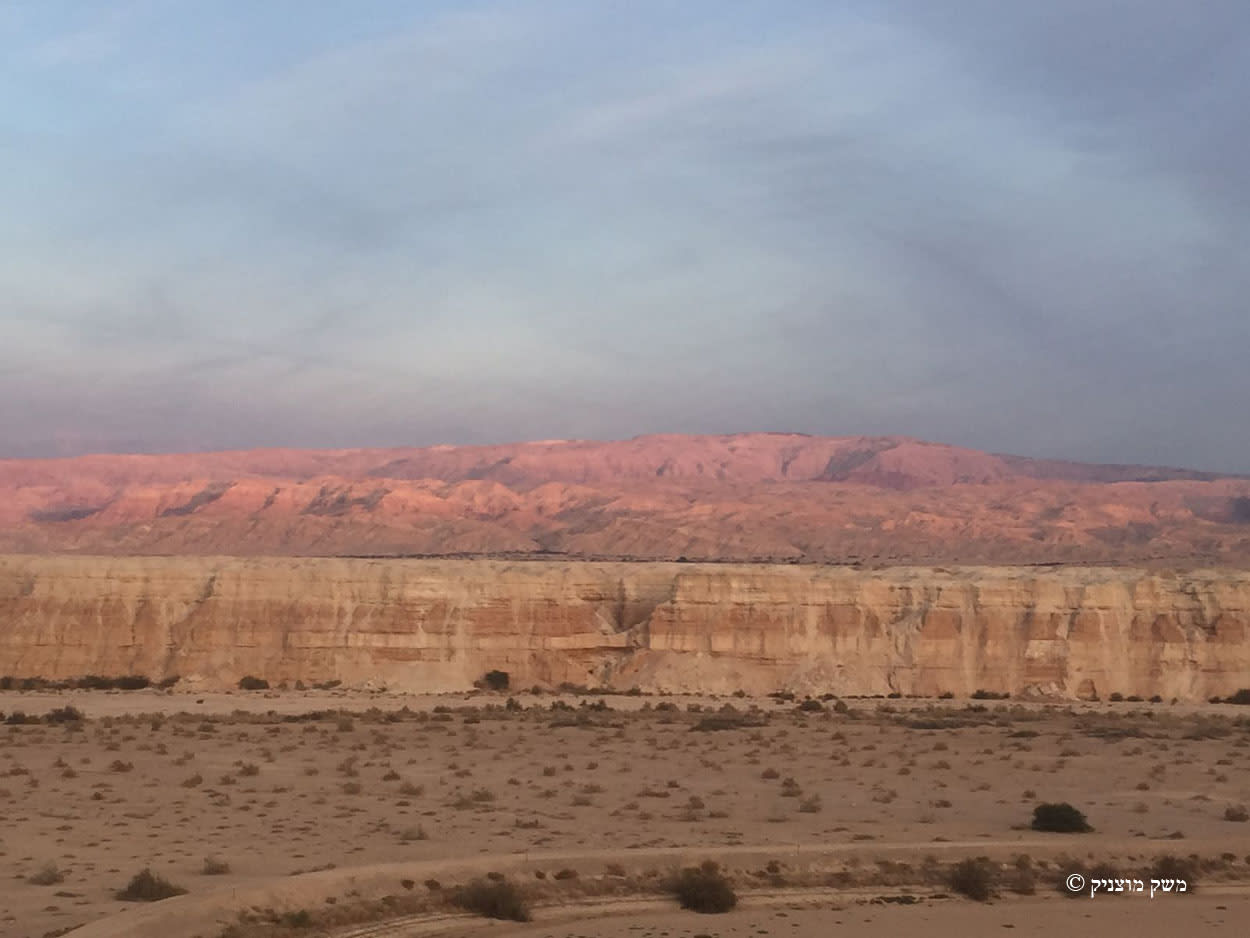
439, 625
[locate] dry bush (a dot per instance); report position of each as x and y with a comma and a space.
975, 878
704, 889
492, 899
1061, 818
146, 886
48, 875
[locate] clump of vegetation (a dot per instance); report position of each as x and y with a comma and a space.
1170, 866
87, 682
989, 695
1242, 697
497, 899
975, 878
704, 889
63, 715
1060, 818
495, 680
248, 682
1023, 880
1236, 812
48, 875
716, 722
214, 866
146, 886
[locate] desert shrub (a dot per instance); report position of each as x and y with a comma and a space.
812, 706
498, 899
1022, 879
1242, 697
704, 889
63, 715
1236, 812
1060, 818
48, 875
1170, 866
974, 878
214, 866
247, 682
131, 682
146, 886
298, 918
989, 695
725, 721
495, 680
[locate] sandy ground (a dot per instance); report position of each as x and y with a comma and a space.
246, 780
1043, 917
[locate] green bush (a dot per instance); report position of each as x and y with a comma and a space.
492, 899
704, 889
1060, 818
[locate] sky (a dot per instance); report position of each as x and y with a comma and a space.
1022, 227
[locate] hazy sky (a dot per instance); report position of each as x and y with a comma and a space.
1017, 226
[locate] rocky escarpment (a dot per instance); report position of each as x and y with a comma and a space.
439, 625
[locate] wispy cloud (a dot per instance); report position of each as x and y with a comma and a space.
1022, 227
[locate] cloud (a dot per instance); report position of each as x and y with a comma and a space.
1020, 227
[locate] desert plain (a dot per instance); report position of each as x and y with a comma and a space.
358, 814
820, 685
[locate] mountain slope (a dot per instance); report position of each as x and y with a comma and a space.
734, 497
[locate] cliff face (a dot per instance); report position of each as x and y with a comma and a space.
439, 625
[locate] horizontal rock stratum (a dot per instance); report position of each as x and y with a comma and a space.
439, 625
744, 497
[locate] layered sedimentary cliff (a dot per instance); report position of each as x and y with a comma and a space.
439, 625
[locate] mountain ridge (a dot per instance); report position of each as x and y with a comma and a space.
753, 496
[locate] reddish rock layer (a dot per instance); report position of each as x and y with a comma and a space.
876, 500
